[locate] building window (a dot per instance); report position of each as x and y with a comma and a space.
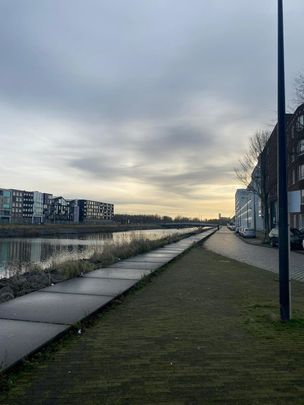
293, 176
301, 146
301, 172
300, 123
293, 154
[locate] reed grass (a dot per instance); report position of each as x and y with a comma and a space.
36, 277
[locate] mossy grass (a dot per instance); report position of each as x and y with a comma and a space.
204, 330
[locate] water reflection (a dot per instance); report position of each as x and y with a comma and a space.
19, 253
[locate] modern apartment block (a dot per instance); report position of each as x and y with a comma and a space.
248, 210
5, 206
94, 211
295, 171
295, 136
59, 210
27, 207
34, 207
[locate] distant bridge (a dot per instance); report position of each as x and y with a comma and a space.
187, 224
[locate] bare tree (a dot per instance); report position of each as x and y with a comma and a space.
250, 159
252, 172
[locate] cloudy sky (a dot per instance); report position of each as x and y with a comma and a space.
144, 103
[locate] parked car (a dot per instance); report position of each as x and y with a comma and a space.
296, 238
248, 233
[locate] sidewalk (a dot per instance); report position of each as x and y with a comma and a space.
31, 321
205, 330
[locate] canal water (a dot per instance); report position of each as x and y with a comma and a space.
18, 254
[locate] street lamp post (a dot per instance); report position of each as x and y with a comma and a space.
247, 213
284, 245
254, 213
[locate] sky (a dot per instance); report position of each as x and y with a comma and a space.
147, 104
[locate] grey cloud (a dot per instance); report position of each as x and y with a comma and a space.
100, 61
166, 181
154, 92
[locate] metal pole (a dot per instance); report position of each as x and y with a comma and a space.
247, 209
254, 212
282, 178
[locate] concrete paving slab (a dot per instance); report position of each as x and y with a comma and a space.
165, 259
158, 253
85, 285
136, 265
121, 273
172, 250
52, 307
18, 339
179, 246
150, 259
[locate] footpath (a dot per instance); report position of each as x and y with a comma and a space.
30, 322
203, 330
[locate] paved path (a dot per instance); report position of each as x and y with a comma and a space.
204, 331
29, 322
228, 244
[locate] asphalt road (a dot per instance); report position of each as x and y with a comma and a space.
226, 243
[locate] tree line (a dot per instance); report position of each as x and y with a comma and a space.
158, 219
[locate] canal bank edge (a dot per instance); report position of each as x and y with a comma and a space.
32, 231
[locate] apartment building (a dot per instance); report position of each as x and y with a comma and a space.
34, 207
94, 211
21, 207
59, 210
27, 207
248, 213
295, 150
74, 211
5, 206
295, 170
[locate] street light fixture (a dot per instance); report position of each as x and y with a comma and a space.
284, 245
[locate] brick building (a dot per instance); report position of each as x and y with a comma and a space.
295, 170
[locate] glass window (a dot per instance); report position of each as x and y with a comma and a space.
301, 172
300, 123
301, 146
293, 176
293, 154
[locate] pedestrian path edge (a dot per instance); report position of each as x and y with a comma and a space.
30, 322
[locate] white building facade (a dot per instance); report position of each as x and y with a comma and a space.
248, 213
